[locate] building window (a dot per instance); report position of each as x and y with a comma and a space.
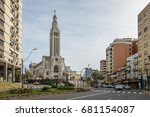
1, 42
145, 44
56, 70
140, 33
145, 21
1, 12
1, 32
56, 34
145, 37
47, 73
45, 66
146, 60
145, 13
1, 22
145, 29
146, 52
139, 19
140, 55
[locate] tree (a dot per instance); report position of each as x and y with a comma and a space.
96, 76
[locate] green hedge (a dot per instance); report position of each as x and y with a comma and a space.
66, 88
45, 89
20, 91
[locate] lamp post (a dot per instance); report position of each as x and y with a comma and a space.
23, 65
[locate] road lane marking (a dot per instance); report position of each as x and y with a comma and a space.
85, 96
140, 93
118, 91
123, 92
109, 99
134, 92
108, 91
114, 91
129, 92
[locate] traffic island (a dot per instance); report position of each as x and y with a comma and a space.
15, 94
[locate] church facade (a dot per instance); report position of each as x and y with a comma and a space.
52, 66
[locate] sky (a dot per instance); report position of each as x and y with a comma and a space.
87, 27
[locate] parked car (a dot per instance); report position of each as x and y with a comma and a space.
127, 87
104, 86
109, 86
36, 83
119, 87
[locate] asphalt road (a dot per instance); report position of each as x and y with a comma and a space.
99, 94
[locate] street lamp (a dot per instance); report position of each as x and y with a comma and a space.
23, 65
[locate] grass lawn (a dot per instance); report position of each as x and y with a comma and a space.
7, 85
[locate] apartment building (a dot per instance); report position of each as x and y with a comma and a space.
117, 53
103, 67
109, 58
144, 41
10, 39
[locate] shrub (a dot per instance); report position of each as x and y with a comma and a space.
54, 86
20, 91
66, 88
45, 88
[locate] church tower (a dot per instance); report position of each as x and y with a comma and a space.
57, 65
54, 38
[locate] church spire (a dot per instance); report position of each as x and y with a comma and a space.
54, 24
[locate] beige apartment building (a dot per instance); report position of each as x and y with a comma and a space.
10, 39
144, 41
103, 68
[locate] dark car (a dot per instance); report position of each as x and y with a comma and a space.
127, 87
119, 87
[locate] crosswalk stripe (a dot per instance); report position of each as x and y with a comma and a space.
134, 92
112, 91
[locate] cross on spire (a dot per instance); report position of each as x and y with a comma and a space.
54, 12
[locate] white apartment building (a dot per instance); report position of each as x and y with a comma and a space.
10, 39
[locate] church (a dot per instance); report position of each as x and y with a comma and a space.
52, 66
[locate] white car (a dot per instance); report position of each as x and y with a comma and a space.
119, 87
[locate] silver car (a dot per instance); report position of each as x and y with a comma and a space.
119, 87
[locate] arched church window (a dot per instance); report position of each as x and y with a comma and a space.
56, 34
56, 69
